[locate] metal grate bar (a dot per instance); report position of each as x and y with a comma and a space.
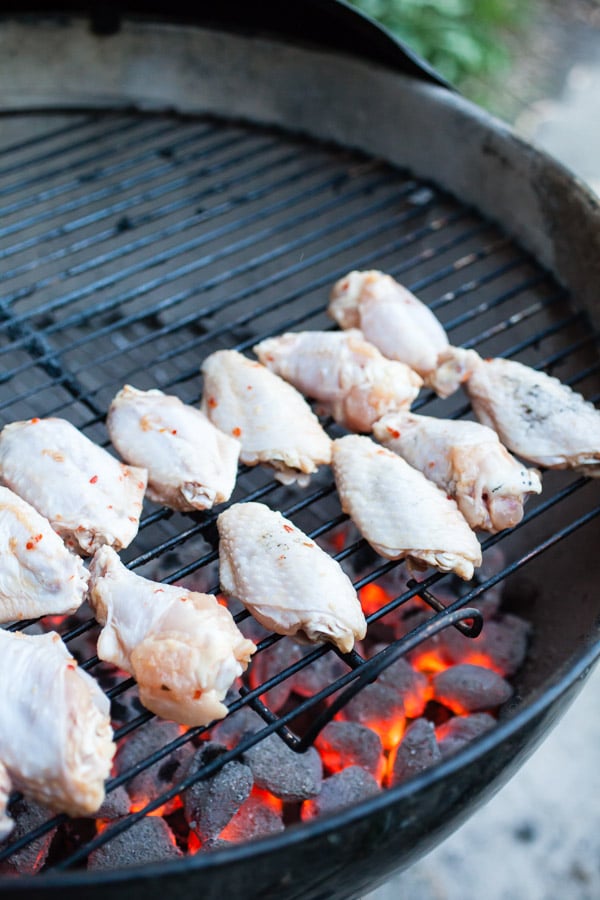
45, 137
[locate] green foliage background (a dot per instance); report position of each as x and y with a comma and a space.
468, 41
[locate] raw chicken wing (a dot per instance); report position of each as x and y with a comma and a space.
288, 582
183, 648
6, 823
38, 575
399, 512
400, 326
354, 381
536, 416
273, 422
88, 496
468, 461
56, 741
190, 463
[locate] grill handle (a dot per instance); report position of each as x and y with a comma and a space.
328, 24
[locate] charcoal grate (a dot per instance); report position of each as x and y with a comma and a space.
132, 246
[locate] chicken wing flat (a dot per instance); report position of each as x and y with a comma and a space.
288, 582
468, 461
345, 373
56, 741
399, 512
400, 326
190, 463
88, 496
536, 416
38, 575
183, 648
273, 422
6, 823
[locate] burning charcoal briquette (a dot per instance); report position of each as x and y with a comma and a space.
318, 674
255, 819
28, 815
343, 789
379, 707
466, 689
417, 751
289, 775
152, 782
209, 804
116, 804
504, 641
231, 730
412, 686
149, 840
271, 662
343, 744
458, 731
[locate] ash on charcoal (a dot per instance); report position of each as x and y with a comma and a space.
418, 751
255, 819
412, 686
231, 730
318, 674
116, 804
460, 730
343, 789
343, 744
149, 840
211, 803
152, 782
288, 775
465, 689
379, 707
28, 815
271, 662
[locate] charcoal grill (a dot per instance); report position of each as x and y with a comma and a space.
171, 187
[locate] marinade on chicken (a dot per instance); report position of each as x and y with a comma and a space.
352, 380
399, 511
183, 648
536, 416
271, 419
89, 498
191, 464
289, 584
56, 741
468, 461
401, 326
38, 575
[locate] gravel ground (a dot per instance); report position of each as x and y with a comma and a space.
539, 837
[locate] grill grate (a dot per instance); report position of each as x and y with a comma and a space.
133, 246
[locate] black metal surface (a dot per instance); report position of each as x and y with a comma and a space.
325, 24
131, 247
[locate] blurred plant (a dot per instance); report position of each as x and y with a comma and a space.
467, 41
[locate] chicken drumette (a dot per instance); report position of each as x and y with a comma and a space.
345, 373
468, 461
56, 741
400, 326
183, 648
